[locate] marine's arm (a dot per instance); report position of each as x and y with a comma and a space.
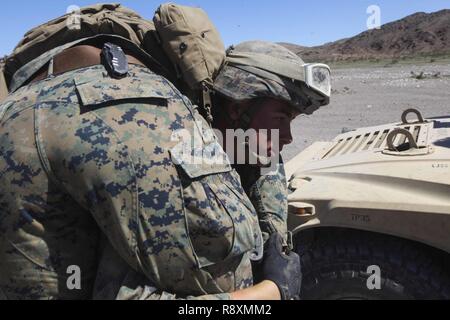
116, 280
269, 196
266, 290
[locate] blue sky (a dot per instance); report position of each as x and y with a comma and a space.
311, 22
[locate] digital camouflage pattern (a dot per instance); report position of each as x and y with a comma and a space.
268, 194
244, 82
269, 197
87, 171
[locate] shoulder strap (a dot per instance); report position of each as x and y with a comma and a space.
25, 72
3, 86
102, 19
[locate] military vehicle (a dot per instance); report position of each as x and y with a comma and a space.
370, 212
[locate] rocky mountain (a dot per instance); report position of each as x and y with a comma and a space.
418, 34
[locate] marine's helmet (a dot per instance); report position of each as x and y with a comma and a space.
257, 69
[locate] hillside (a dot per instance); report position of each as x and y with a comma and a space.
418, 34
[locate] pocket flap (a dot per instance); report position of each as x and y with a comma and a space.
94, 92
202, 160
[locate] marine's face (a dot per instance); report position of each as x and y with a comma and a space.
274, 115
271, 124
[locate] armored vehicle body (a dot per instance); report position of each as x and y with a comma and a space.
370, 212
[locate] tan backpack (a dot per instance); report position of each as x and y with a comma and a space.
191, 41
182, 39
94, 20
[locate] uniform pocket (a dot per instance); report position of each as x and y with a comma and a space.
93, 90
221, 222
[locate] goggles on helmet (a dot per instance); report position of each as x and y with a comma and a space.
315, 77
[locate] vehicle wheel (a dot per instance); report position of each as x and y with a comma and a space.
335, 266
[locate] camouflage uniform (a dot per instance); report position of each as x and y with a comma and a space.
268, 193
90, 175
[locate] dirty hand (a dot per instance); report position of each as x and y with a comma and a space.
282, 268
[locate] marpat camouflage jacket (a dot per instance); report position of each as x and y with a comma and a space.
91, 171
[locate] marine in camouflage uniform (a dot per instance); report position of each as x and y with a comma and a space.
90, 173
268, 191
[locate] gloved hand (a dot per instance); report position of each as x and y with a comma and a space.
282, 268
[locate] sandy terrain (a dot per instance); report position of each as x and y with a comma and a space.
370, 96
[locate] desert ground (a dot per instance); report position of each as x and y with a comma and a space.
372, 95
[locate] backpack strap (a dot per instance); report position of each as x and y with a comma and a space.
27, 71
3, 86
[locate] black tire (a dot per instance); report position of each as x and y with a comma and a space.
335, 262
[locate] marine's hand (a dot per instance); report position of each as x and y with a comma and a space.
282, 268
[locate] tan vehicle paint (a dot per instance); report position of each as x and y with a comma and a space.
375, 179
